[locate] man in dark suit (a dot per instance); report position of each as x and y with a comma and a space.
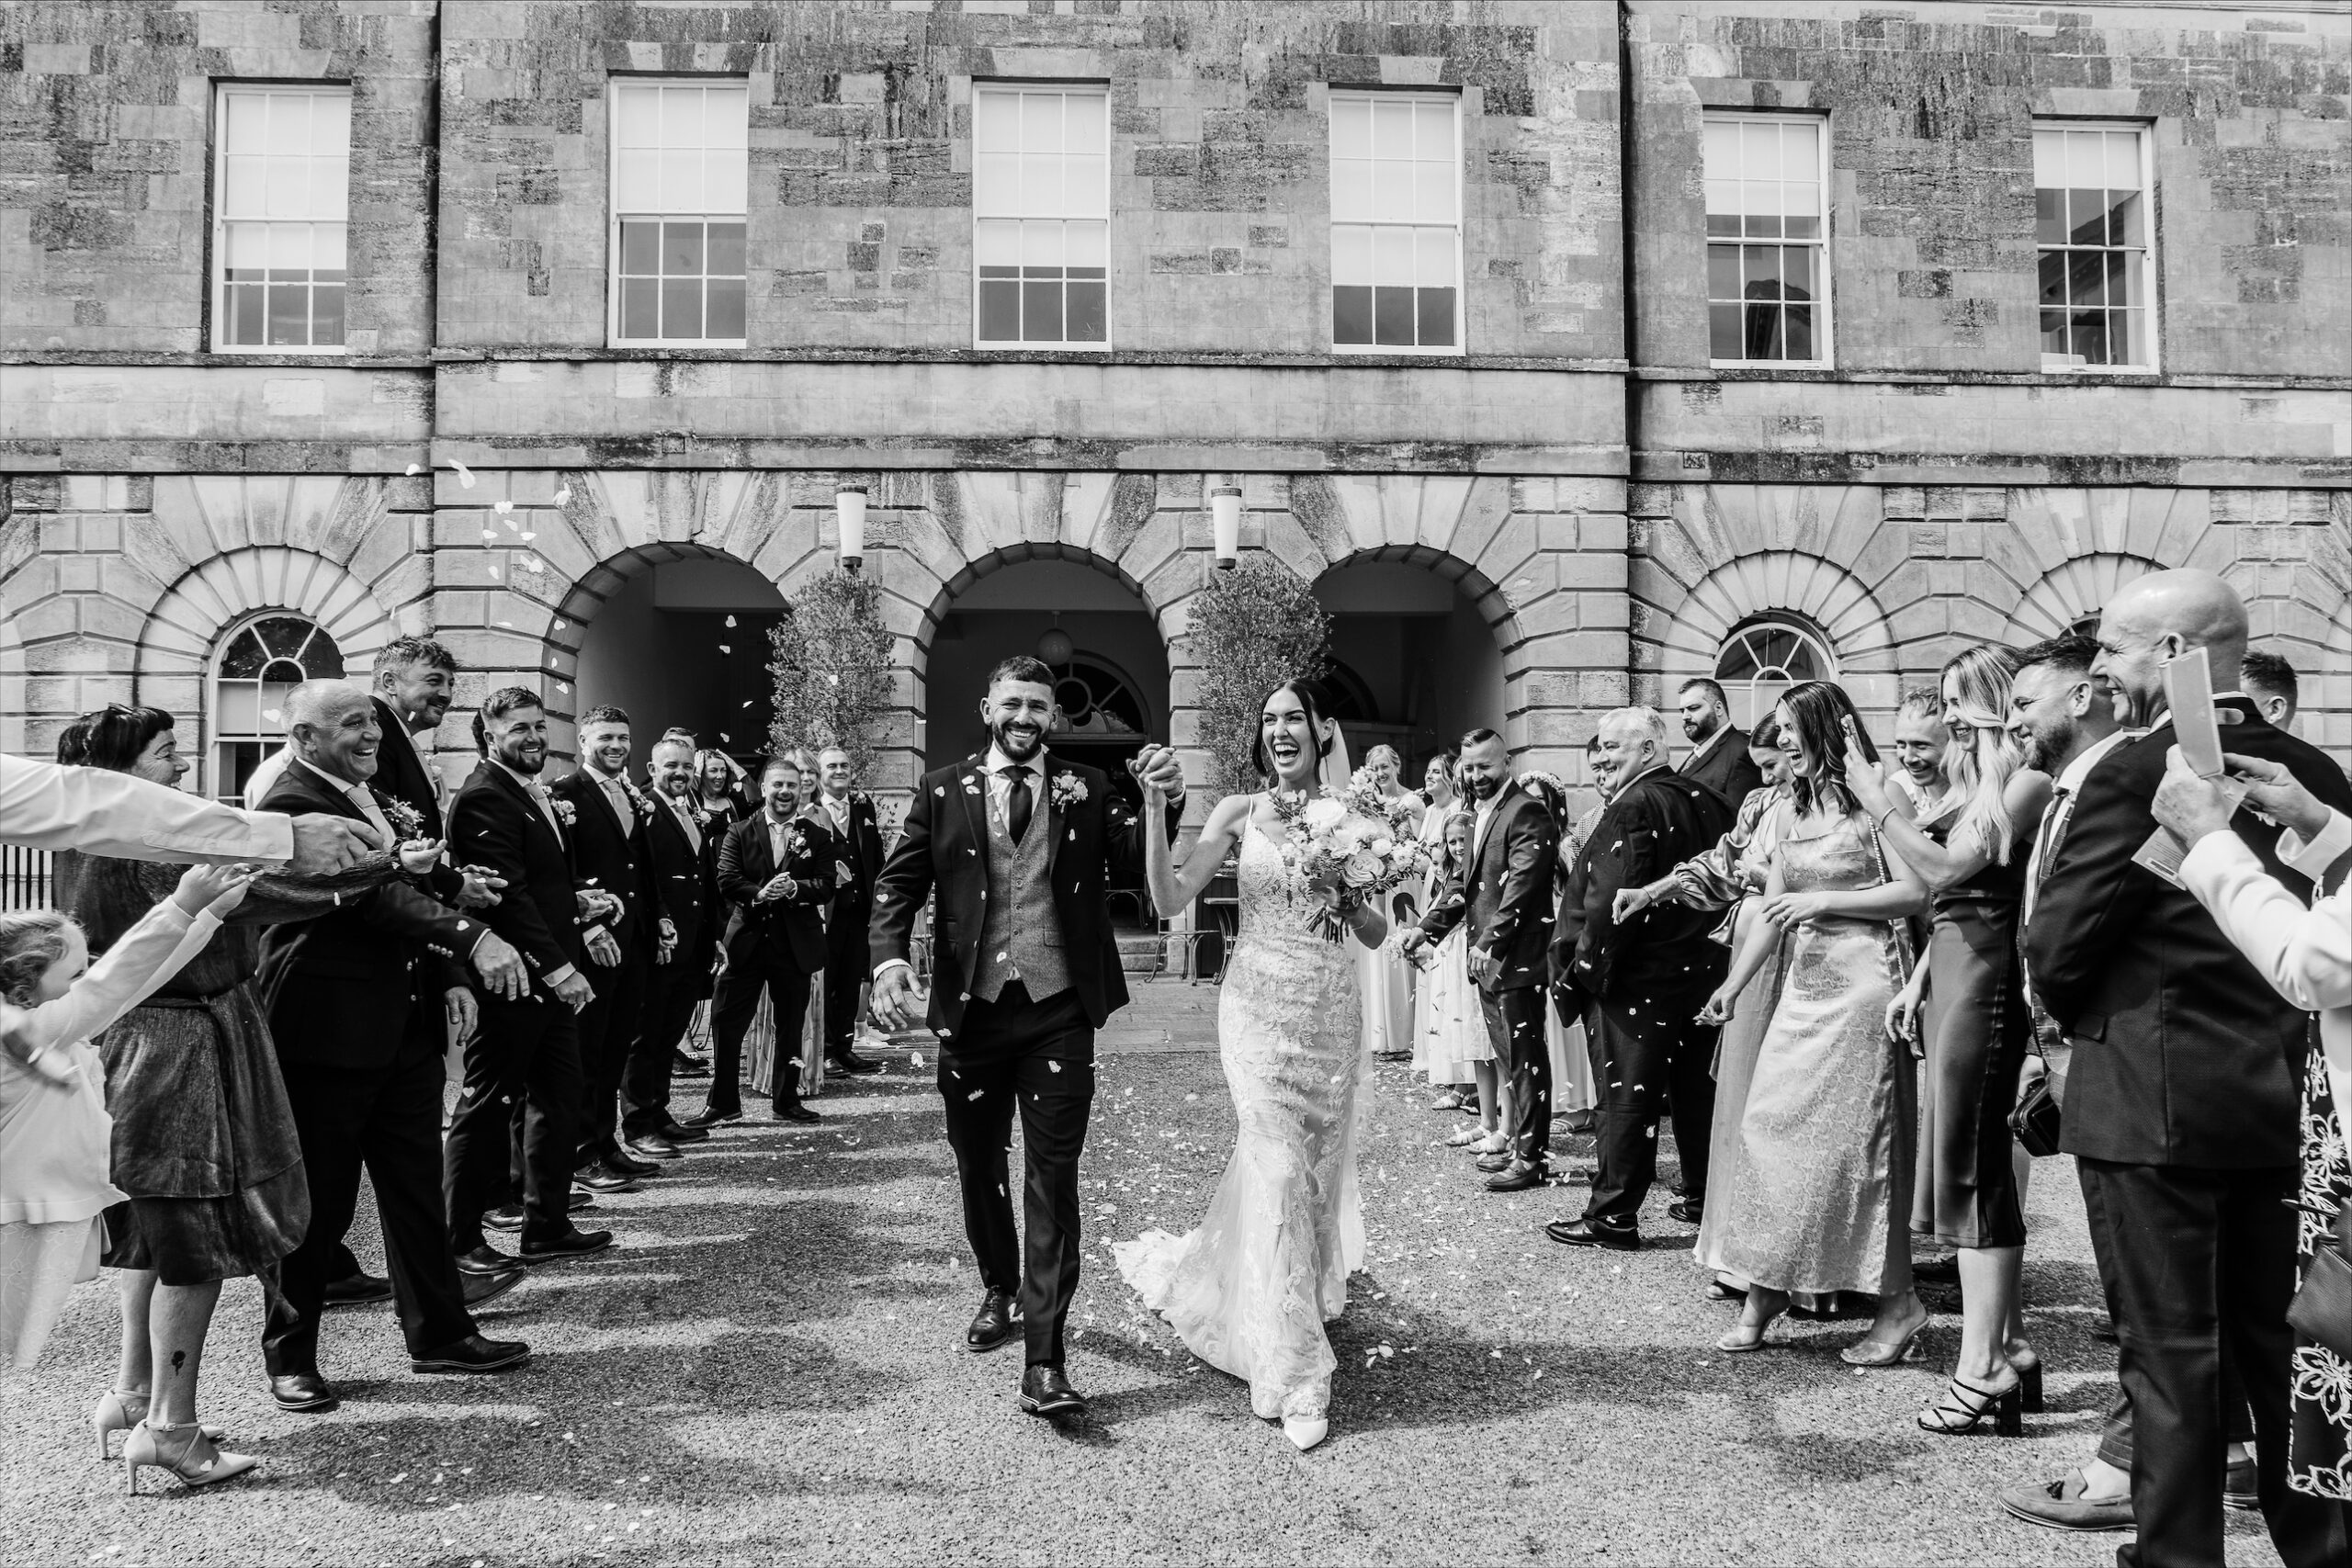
1649, 975
356, 1001
682, 895
847, 953
528, 1049
2182, 1095
1507, 897
775, 872
609, 853
1718, 756
1024, 970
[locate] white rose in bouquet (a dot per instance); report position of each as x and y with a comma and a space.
1362, 869
1324, 812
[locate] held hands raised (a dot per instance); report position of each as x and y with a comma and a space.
324, 843
1162, 776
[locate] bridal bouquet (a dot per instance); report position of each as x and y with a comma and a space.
1356, 838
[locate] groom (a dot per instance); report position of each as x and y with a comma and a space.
1025, 971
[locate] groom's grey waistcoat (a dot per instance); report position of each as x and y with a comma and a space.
1021, 936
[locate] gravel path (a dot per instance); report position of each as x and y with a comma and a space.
769, 1369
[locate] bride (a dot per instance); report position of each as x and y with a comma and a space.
1250, 1290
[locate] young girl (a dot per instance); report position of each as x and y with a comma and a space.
1453, 1046
54, 1129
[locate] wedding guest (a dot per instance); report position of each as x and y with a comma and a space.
1574, 1097
1647, 976
2270, 680
1506, 888
849, 812
55, 1134
681, 841
526, 1052
1718, 754
1920, 737
777, 872
1388, 1006
1430, 1055
2182, 1094
1454, 1043
361, 1002
2306, 954
1820, 1178
609, 851
416, 682
1731, 876
1571, 1009
204, 1139
724, 791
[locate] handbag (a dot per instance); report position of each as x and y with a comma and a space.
2321, 1310
2037, 1117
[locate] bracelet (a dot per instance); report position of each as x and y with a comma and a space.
1880, 819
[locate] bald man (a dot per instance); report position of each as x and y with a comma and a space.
357, 1003
2182, 1098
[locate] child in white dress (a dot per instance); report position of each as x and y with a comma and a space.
1452, 1046
54, 1129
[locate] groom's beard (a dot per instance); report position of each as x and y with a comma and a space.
1017, 748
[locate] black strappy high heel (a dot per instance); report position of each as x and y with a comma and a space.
1964, 1408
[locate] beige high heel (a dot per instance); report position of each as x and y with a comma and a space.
196, 1462
120, 1409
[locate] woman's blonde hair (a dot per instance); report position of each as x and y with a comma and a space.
30, 942
1978, 766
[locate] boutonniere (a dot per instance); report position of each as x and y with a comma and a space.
404, 818
702, 818
563, 811
1067, 789
794, 842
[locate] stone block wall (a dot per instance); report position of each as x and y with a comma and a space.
1931, 112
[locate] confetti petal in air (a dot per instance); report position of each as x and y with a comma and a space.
563, 496
410, 470
465, 475
725, 649
502, 507
730, 620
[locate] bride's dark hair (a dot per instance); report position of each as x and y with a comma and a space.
1310, 697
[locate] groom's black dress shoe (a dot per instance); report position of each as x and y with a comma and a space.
1595, 1233
1519, 1176
1046, 1392
996, 1325
306, 1392
1685, 1211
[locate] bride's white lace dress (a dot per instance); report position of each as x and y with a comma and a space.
1250, 1290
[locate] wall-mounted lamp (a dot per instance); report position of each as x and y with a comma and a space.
849, 511
1225, 514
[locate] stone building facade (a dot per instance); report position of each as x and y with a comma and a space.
1573, 501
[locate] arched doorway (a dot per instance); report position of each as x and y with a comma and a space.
1415, 664
681, 643
1110, 666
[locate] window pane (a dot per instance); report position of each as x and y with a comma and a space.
1392, 128
726, 318
996, 122
2049, 158
681, 116
245, 319
1392, 316
1760, 268
726, 181
327, 241
1805, 221
2086, 159
239, 707
2054, 330
1799, 150
725, 243
637, 184
329, 188
1351, 127
996, 243
1760, 199
1351, 256
724, 116
681, 250
2123, 218
1722, 272
2122, 279
2050, 216
1351, 313
996, 181
639, 116
245, 187
1763, 331
1433, 193
1087, 244
1041, 123
1722, 333
1000, 309
1797, 330
641, 246
1723, 207
2122, 165
2086, 217
1392, 192
640, 307
1086, 122
2085, 278
681, 308
290, 249
2086, 333
1086, 190
288, 194
1088, 311
247, 121
681, 188
1434, 258
1392, 256
1436, 317
1041, 309
2129, 327
1433, 131
1041, 184
1796, 272
1759, 150
2053, 277
1041, 245
330, 125
290, 315
1350, 191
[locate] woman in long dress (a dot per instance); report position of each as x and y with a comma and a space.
1445, 1072
1249, 1289
1977, 1034
1388, 1002
1819, 1184
1453, 1044
1731, 875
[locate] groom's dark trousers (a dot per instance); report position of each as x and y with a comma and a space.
1041, 1056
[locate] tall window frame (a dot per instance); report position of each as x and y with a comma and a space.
281, 217
1764, 655
1395, 204
1041, 217
260, 658
1767, 217
679, 186
2095, 255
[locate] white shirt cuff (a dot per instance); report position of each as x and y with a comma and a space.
559, 975
889, 963
2326, 847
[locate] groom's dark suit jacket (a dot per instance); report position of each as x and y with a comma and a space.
945, 844
360, 987
1506, 886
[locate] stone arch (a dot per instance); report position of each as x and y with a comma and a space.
172, 662
1819, 592
2073, 589
997, 560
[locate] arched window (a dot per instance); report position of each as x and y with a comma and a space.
258, 664
1351, 701
1096, 701
1763, 657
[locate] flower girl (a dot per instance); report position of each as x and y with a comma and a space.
54, 1129
1452, 1046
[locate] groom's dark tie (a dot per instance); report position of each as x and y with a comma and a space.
1017, 804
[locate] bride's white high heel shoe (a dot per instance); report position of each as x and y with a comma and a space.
1305, 1431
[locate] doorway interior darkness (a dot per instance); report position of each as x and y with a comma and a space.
685, 645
